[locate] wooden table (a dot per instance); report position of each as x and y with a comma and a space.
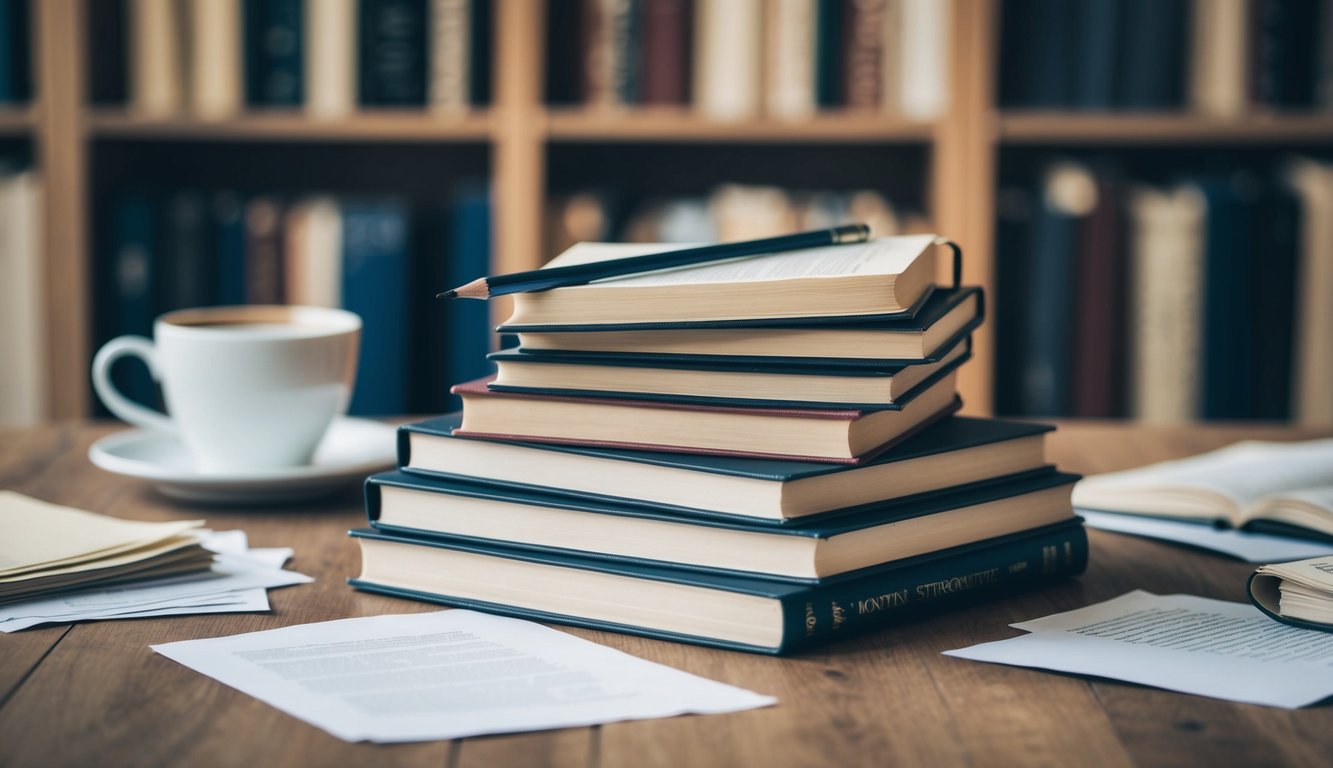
95, 695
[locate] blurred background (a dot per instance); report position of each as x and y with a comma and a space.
1144, 187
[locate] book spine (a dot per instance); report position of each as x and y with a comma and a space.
393, 52
789, 50
923, 88
450, 55
263, 252
625, 65
839, 610
1229, 296
1313, 372
481, 35
665, 46
728, 59
828, 40
1273, 256
156, 85
132, 271
8, 56
22, 326
215, 51
228, 223
273, 53
470, 255
1219, 56
107, 52
187, 272
1099, 304
863, 47
1094, 86
1152, 60
374, 285
330, 57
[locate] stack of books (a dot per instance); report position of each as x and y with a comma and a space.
758, 454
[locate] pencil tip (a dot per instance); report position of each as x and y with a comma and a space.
446, 294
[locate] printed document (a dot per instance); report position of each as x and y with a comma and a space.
1180, 643
448, 674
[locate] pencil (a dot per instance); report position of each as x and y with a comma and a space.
578, 274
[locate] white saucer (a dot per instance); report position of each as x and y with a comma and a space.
352, 449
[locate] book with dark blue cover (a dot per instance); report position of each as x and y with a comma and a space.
469, 322
1273, 259
685, 483
536, 585
796, 366
939, 303
1047, 365
1096, 45
376, 252
828, 53
1152, 54
1228, 297
8, 9
186, 269
16, 32
274, 64
480, 52
538, 508
393, 52
229, 258
134, 264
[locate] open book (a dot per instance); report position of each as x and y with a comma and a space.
1299, 593
1274, 487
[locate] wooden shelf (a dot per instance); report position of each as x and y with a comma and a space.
675, 125
1120, 128
396, 125
17, 122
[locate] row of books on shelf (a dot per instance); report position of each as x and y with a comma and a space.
737, 59
1218, 57
15, 52
214, 58
22, 319
758, 454
382, 258
1209, 297
728, 212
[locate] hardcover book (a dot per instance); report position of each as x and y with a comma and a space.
806, 434
796, 383
946, 316
955, 452
415, 506
748, 614
882, 276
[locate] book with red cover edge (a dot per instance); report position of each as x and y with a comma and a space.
478, 388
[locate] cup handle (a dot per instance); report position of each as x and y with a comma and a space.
126, 409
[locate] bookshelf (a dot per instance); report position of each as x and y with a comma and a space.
532, 149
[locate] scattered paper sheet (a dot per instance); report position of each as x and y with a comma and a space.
1178, 642
448, 674
237, 583
1250, 547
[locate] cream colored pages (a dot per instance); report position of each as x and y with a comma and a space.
105, 561
882, 256
1212, 484
1315, 573
39, 535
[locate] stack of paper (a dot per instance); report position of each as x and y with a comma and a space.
59, 565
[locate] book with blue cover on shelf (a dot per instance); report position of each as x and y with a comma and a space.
274, 57
376, 251
727, 611
415, 506
798, 383
947, 315
954, 452
392, 42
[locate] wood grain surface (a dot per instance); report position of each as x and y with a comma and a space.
94, 694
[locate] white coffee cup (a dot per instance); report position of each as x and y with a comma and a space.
247, 388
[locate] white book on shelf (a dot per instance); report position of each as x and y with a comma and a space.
923, 86
1219, 58
1166, 255
22, 325
1312, 370
215, 67
313, 252
157, 68
330, 58
450, 52
789, 59
727, 58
